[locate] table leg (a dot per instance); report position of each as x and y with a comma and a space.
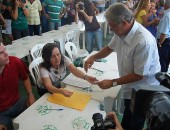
84, 40
105, 29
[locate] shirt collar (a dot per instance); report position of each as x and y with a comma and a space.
128, 38
165, 11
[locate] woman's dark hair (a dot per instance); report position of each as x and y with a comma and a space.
47, 52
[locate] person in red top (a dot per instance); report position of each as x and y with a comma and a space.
12, 70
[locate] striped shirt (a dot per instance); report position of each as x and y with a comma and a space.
54, 7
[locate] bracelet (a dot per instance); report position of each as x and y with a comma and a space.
24, 8
30, 94
84, 77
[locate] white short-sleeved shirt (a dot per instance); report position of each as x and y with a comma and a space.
138, 53
54, 75
164, 25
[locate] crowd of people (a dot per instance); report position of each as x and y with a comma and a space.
22, 18
141, 40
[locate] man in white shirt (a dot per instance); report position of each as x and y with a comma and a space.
163, 37
137, 56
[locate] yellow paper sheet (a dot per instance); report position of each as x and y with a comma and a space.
77, 101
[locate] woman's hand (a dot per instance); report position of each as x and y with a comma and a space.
65, 92
77, 8
156, 21
91, 79
22, 5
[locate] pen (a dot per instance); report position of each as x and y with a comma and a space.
60, 109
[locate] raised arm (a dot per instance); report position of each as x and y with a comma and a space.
24, 8
87, 17
101, 54
14, 12
80, 74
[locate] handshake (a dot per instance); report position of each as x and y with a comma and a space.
103, 84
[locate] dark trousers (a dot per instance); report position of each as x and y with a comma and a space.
17, 34
34, 30
130, 121
164, 54
65, 21
12, 112
44, 24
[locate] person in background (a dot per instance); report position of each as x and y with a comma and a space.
68, 17
129, 4
12, 70
85, 13
8, 19
141, 14
96, 11
53, 70
44, 21
55, 11
137, 56
160, 8
2, 25
152, 14
19, 15
2, 21
100, 4
34, 7
163, 38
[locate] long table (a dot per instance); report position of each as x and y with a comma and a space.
21, 47
17, 51
37, 117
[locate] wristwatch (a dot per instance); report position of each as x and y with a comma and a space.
30, 94
114, 83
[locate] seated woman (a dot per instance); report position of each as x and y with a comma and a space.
53, 70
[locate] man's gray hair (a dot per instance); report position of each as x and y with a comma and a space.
118, 12
167, 2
